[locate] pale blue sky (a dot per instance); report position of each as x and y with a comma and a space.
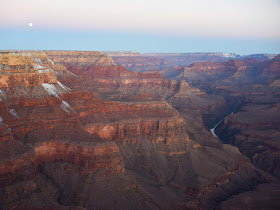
241, 26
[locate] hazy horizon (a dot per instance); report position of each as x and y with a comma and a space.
242, 27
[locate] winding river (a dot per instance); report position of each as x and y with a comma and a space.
212, 130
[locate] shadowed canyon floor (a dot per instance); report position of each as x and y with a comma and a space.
78, 131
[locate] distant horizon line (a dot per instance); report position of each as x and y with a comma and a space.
128, 51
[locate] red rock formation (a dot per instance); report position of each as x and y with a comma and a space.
86, 155
23, 70
80, 58
118, 78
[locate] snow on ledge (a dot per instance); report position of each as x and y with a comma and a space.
73, 74
51, 89
13, 112
2, 92
43, 71
63, 86
56, 89
50, 61
66, 107
227, 55
37, 66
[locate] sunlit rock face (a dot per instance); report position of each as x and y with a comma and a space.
24, 69
78, 131
81, 58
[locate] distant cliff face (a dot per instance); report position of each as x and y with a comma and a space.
158, 61
183, 59
120, 53
153, 61
81, 58
140, 63
204, 72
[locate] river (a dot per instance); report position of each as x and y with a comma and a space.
212, 130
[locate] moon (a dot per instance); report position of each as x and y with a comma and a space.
30, 24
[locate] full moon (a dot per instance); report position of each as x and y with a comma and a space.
30, 24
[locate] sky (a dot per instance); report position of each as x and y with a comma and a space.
239, 26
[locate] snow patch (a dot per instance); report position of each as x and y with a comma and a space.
3, 94
51, 61
51, 89
63, 86
37, 66
37, 60
4, 67
73, 74
43, 71
270, 56
66, 107
13, 112
227, 55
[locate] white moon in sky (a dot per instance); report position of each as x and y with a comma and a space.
30, 24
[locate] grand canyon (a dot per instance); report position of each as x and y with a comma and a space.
125, 130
